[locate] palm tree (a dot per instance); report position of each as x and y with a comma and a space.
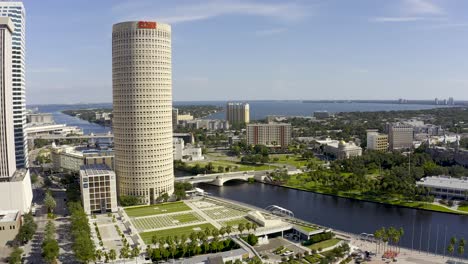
378, 239
183, 238
215, 233
254, 227
248, 226
193, 236
228, 229
172, 249
241, 227
208, 231
154, 240
112, 255
135, 252
401, 232
98, 254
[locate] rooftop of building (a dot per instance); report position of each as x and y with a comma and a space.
8, 216
204, 258
446, 182
95, 169
269, 124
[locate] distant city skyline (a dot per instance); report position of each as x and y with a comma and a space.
242, 50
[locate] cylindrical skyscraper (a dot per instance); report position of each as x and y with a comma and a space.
142, 102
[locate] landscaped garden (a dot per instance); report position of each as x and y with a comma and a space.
147, 236
156, 209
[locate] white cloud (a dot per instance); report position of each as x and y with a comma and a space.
269, 32
288, 11
421, 7
412, 11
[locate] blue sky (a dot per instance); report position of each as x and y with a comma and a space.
252, 49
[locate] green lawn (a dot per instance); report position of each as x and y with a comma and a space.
184, 218
313, 258
296, 182
235, 166
146, 236
306, 228
463, 208
293, 160
324, 244
236, 222
157, 209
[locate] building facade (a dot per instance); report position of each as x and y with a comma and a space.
71, 159
400, 136
98, 189
17, 13
270, 135
10, 223
340, 149
7, 139
40, 118
142, 108
238, 113
186, 152
15, 184
446, 186
377, 141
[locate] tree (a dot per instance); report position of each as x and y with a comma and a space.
98, 255
248, 226
124, 252
50, 250
112, 255
241, 227
28, 229
135, 252
50, 247
127, 200
49, 202
228, 229
15, 256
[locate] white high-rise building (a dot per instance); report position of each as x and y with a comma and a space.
17, 13
15, 184
7, 140
142, 102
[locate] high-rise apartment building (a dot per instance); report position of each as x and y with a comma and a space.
142, 102
270, 135
15, 184
377, 141
17, 13
400, 136
238, 113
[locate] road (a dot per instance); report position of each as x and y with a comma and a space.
62, 223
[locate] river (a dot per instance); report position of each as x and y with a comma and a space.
350, 215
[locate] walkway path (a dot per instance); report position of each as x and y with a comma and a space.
200, 212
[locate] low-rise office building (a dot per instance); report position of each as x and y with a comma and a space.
98, 189
71, 158
270, 135
446, 186
10, 223
377, 141
186, 152
208, 124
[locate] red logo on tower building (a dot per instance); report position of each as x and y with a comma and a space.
147, 24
